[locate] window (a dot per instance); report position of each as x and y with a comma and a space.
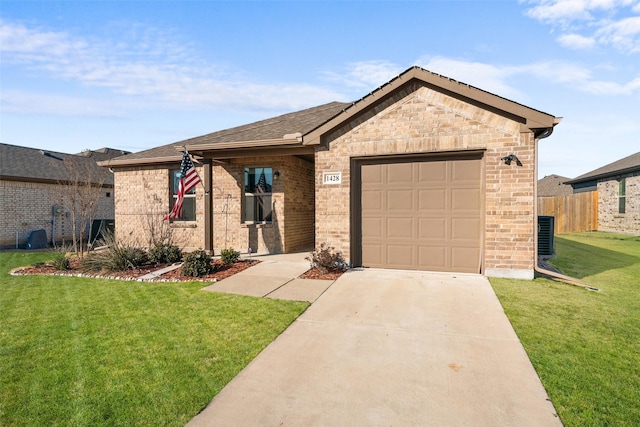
189, 203
622, 195
257, 194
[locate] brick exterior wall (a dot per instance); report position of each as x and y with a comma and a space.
608, 217
292, 200
27, 206
419, 120
142, 199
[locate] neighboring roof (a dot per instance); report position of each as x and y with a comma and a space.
619, 167
34, 165
305, 128
553, 185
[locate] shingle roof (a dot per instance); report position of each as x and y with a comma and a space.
628, 164
30, 164
554, 185
273, 128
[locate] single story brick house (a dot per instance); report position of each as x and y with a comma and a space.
33, 191
423, 173
618, 186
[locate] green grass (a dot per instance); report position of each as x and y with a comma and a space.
584, 345
92, 352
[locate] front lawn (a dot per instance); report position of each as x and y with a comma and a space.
90, 352
584, 345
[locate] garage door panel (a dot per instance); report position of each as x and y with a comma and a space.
400, 228
465, 229
432, 258
465, 259
372, 253
400, 173
423, 215
465, 199
432, 228
371, 174
399, 200
432, 172
373, 226
433, 199
400, 256
465, 170
372, 200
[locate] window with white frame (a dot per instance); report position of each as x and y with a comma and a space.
257, 194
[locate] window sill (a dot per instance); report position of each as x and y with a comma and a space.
184, 224
257, 224
619, 215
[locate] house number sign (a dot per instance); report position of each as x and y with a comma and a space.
332, 178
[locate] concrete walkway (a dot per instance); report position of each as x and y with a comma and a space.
275, 277
383, 347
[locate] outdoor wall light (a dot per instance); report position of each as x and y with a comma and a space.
510, 158
276, 175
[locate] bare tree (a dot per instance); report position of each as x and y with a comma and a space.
81, 191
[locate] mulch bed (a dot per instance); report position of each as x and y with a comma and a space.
171, 276
176, 275
314, 273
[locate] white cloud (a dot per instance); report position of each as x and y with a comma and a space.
22, 102
623, 34
365, 74
146, 69
584, 23
576, 41
484, 76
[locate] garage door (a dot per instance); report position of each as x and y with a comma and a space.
422, 215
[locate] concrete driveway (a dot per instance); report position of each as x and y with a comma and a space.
391, 348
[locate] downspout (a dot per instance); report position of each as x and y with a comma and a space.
544, 272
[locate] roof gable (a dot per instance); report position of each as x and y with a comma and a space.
530, 119
628, 164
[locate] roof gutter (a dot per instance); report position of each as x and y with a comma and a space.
286, 141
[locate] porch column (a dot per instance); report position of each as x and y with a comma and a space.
208, 206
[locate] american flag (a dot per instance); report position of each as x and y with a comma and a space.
189, 178
261, 187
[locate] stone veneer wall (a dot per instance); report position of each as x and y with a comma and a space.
27, 206
420, 120
608, 217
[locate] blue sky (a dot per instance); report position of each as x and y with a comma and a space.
133, 75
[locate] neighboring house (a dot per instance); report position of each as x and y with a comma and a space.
618, 186
33, 186
554, 185
412, 176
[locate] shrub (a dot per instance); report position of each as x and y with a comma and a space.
229, 256
116, 257
60, 262
325, 259
197, 263
161, 253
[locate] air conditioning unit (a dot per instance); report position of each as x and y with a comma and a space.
545, 235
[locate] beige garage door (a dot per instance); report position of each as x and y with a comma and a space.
422, 215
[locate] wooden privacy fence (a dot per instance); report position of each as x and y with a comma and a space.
573, 212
